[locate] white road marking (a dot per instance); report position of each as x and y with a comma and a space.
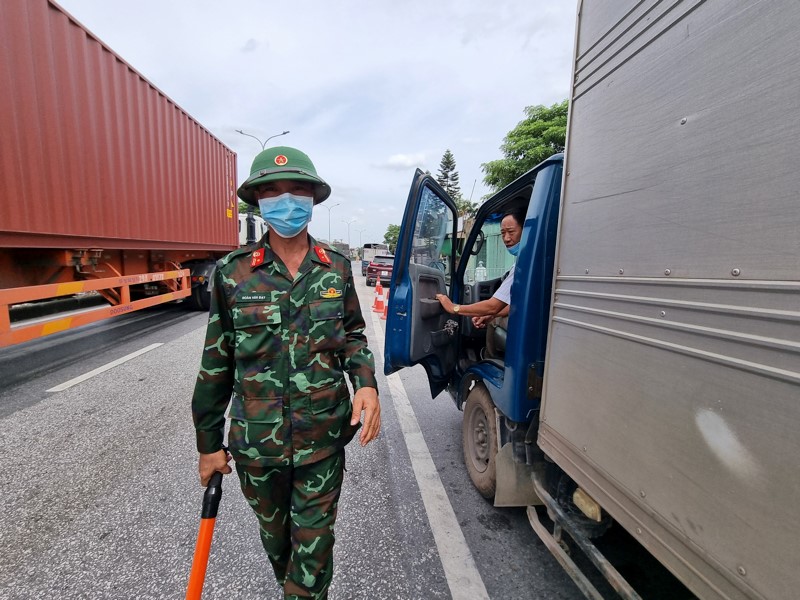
98, 370
459, 567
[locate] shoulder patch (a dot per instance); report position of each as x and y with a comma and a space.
236, 253
329, 249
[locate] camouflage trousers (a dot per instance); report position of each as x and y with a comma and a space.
296, 509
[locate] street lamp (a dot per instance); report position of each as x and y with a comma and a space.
330, 208
360, 241
351, 221
264, 143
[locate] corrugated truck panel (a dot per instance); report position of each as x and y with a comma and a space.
673, 363
93, 154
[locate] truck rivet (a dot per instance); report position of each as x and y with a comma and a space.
742, 571
584, 448
642, 494
736, 272
667, 272
558, 271
663, 313
621, 271
587, 271
683, 121
639, 530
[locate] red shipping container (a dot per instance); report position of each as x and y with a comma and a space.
93, 155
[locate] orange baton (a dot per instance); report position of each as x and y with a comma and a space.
208, 517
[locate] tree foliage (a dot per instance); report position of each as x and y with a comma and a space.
537, 137
390, 237
466, 208
448, 178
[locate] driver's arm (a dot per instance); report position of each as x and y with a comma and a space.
485, 308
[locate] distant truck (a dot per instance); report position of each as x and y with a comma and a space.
106, 185
651, 375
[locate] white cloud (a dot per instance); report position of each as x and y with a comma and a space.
402, 162
357, 84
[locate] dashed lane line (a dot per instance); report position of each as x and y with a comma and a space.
106, 367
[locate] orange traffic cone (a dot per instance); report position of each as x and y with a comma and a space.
375, 297
386, 306
378, 298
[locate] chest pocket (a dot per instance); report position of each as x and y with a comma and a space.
326, 331
258, 330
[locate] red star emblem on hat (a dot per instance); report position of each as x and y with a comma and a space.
281, 160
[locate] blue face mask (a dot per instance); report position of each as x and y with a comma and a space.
513, 250
287, 214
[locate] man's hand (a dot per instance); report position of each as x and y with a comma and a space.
446, 303
210, 463
366, 400
481, 322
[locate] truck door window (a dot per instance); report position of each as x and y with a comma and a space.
434, 223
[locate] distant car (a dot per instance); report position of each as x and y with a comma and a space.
380, 268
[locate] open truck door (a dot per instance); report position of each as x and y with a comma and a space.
418, 330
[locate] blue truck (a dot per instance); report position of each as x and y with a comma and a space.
651, 372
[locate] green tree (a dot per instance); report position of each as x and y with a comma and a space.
390, 237
243, 208
540, 135
466, 208
447, 177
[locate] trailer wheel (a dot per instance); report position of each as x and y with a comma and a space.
479, 438
200, 298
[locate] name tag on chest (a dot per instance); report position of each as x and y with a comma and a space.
252, 298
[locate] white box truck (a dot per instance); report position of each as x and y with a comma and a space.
651, 374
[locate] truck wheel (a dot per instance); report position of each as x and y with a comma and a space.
479, 438
200, 298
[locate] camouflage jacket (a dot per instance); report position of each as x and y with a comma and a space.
276, 349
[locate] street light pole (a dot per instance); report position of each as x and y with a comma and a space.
264, 143
330, 208
350, 222
360, 241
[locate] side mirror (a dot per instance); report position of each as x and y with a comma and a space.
479, 241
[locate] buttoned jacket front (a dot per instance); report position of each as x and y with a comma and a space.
277, 349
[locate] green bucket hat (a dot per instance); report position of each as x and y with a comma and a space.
282, 162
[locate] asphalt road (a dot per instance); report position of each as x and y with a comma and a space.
101, 500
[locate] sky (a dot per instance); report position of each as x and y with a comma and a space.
369, 90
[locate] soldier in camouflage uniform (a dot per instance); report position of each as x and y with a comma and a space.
285, 324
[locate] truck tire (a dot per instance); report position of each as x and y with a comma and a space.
200, 298
479, 438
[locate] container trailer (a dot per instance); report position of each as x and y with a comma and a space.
106, 184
